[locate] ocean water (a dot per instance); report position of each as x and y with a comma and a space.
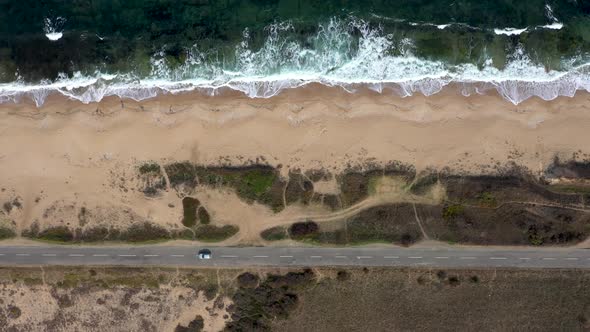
137, 49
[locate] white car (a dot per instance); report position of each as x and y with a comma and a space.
204, 254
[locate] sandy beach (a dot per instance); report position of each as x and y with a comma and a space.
65, 154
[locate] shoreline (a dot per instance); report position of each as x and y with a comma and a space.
384, 90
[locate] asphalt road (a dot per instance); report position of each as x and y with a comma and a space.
291, 256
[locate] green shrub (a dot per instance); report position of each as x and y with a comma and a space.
195, 325
146, 231
258, 181
149, 167
181, 173
453, 211
6, 233
343, 275
454, 281
254, 183
58, 234
14, 312
185, 234
487, 199
248, 280
408, 239
535, 239
274, 234
210, 233
251, 183
7, 206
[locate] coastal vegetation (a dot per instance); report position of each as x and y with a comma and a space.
274, 233
143, 232
211, 233
372, 203
511, 208
257, 183
292, 299
189, 207
151, 179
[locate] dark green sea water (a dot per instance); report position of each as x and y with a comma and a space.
88, 49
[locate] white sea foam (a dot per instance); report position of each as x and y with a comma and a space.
509, 31
54, 36
333, 57
553, 26
53, 28
549, 13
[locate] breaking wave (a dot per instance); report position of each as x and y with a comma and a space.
53, 29
348, 54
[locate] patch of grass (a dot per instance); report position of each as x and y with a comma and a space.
186, 234
452, 211
256, 182
535, 239
274, 234
487, 199
252, 184
259, 184
573, 189
137, 281
56, 234
71, 280
143, 232
32, 281
211, 233
249, 182
189, 208
373, 183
